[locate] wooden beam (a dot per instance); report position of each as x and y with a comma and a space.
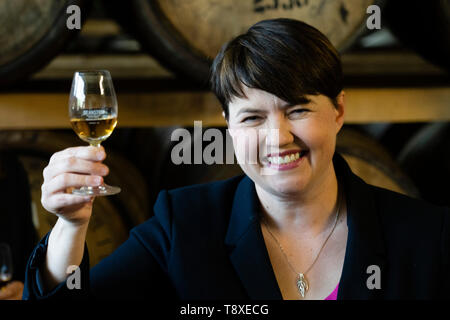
138, 66
363, 105
124, 66
387, 63
100, 27
397, 104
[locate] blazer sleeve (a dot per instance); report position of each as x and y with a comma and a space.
137, 269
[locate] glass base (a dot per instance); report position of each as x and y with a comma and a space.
103, 190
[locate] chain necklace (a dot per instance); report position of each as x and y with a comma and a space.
302, 282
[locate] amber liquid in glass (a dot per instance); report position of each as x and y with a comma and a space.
93, 131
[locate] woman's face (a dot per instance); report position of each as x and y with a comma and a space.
285, 149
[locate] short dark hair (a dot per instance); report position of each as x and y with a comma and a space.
285, 57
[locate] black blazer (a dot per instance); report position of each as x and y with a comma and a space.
205, 242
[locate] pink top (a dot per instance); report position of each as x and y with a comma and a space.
333, 295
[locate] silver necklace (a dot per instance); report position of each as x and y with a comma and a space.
302, 282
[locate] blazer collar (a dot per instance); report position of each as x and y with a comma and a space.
365, 246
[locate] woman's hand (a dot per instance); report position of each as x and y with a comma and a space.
72, 168
12, 291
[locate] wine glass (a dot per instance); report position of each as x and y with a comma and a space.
6, 264
93, 115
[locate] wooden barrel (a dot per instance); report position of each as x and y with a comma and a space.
179, 175
365, 156
185, 35
16, 228
373, 163
32, 33
423, 26
392, 136
147, 148
112, 217
426, 159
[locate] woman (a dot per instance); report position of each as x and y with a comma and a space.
298, 225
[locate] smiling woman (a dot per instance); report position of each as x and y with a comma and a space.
308, 130
299, 224
284, 78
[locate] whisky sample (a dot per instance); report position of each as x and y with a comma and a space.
94, 131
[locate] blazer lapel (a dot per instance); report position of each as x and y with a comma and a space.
365, 245
248, 252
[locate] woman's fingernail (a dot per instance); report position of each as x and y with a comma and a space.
96, 180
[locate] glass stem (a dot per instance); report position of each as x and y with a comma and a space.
102, 186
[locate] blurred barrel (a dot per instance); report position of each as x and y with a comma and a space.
426, 159
365, 156
423, 26
373, 163
16, 228
147, 148
112, 217
185, 35
179, 175
33, 32
392, 136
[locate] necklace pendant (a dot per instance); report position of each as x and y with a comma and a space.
302, 284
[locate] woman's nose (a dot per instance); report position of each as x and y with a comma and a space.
279, 134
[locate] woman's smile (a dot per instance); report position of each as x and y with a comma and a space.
286, 160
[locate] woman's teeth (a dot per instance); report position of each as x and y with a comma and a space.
284, 160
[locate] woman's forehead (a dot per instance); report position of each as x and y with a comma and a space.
256, 98
263, 100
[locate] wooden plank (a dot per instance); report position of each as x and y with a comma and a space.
363, 105
124, 66
138, 66
100, 27
49, 110
387, 63
397, 105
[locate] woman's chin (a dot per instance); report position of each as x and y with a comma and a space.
277, 181
285, 185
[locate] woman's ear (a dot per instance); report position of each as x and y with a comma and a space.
340, 110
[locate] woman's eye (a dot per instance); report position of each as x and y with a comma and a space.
250, 119
297, 112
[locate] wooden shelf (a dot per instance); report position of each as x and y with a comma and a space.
382, 86
363, 105
143, 66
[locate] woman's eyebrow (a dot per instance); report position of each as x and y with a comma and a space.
283, 107
301, 101
248, 110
